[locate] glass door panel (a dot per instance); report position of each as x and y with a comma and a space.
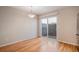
52, 21
44, 27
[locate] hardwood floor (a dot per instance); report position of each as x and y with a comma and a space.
27, 45
39, 45
64, 47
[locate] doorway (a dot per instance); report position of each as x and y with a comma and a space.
48, 26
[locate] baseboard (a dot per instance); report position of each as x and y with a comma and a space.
68, 43
15, 42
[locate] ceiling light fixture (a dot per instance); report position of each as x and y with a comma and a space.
31, 14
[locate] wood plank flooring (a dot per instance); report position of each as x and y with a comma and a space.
64, 47
34, 45
27, 45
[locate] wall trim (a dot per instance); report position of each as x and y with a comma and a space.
16, 42
69, 43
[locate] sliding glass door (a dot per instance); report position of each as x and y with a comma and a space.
52, 21
49, 27
44, 27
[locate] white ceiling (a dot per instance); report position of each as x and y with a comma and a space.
39, 10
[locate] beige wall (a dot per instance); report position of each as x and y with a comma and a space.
78, 23
15, 25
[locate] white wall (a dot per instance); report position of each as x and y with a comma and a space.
67, 25
15, 25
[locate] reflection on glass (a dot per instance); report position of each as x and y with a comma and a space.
52, 27
49, 27
44, 27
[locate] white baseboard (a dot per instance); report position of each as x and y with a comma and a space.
75, 44
11, 43
14, 42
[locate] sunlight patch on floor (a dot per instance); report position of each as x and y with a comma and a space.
49, 44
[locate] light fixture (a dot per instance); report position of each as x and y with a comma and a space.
31, 14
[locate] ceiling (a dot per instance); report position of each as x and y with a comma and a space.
38, 10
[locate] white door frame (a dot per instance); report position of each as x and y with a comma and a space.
47, 26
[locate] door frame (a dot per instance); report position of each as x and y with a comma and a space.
47, 25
